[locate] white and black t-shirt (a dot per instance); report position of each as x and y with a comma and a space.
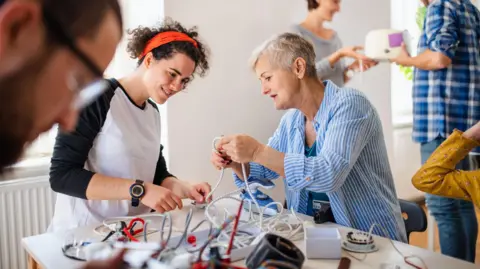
113, 137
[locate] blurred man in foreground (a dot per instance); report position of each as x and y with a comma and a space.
52, 57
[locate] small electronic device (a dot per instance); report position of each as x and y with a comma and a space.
386, 44
360, 242
324, 214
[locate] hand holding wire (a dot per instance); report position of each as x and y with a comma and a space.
240, 148
200, 192
220, 160
160, 199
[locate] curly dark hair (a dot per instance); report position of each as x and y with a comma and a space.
312, 4
141, 35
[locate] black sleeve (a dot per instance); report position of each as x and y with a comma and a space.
67, 173
161, 171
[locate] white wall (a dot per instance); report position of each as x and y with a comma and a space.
407, 162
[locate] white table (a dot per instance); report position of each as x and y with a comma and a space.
45, 249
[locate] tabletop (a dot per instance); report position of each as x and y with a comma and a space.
45, 248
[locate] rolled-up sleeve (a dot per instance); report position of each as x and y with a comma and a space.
441, 28
259, 171
324, 68
348, 131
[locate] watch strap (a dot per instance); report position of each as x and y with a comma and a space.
135, 202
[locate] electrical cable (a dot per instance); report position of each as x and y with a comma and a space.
145, 229
234, 231
270, 223
185, 232
164, 243
130, 232
112, 222
216, 185
216, 233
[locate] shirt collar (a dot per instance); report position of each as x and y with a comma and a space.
330, 89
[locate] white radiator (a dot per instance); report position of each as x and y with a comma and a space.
26, 208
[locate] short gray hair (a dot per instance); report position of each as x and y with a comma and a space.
282, 51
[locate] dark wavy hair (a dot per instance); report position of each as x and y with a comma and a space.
312, 4
141, 35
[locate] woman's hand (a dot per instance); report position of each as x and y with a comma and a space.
366, 64
473, 133
160, 198
220, 160
183, 189
352, 52
240, 148
198, 192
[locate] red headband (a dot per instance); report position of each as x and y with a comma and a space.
164, 38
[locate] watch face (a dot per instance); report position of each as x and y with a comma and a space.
137, 191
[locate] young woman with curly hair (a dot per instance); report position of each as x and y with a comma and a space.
112, 164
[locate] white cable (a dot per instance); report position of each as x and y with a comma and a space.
277, 224
247, 187
216, 185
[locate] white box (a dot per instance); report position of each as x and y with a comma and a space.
323, 243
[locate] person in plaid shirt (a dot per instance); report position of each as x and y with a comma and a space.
446, 96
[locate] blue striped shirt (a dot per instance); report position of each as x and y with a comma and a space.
351, 165
449, 98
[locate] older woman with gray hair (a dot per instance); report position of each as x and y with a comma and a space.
329, 147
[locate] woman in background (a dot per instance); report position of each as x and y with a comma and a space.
112, 164
329, 50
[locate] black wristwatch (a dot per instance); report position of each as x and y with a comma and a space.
137, 191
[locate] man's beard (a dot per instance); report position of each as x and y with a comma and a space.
17, 106
16, 119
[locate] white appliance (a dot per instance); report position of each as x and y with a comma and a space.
385, 44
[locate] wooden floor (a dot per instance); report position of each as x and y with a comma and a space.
421, 240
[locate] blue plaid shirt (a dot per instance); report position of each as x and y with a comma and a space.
449, 98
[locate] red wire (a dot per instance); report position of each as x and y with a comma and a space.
406, 259
235, 225
127, 229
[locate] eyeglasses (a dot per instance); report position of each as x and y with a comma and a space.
84, 95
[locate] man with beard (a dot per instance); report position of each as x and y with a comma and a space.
50, 51
52, 57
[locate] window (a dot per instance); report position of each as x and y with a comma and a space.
403, 16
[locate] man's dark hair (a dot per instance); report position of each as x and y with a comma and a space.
82, 17
140, 36
312, 4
